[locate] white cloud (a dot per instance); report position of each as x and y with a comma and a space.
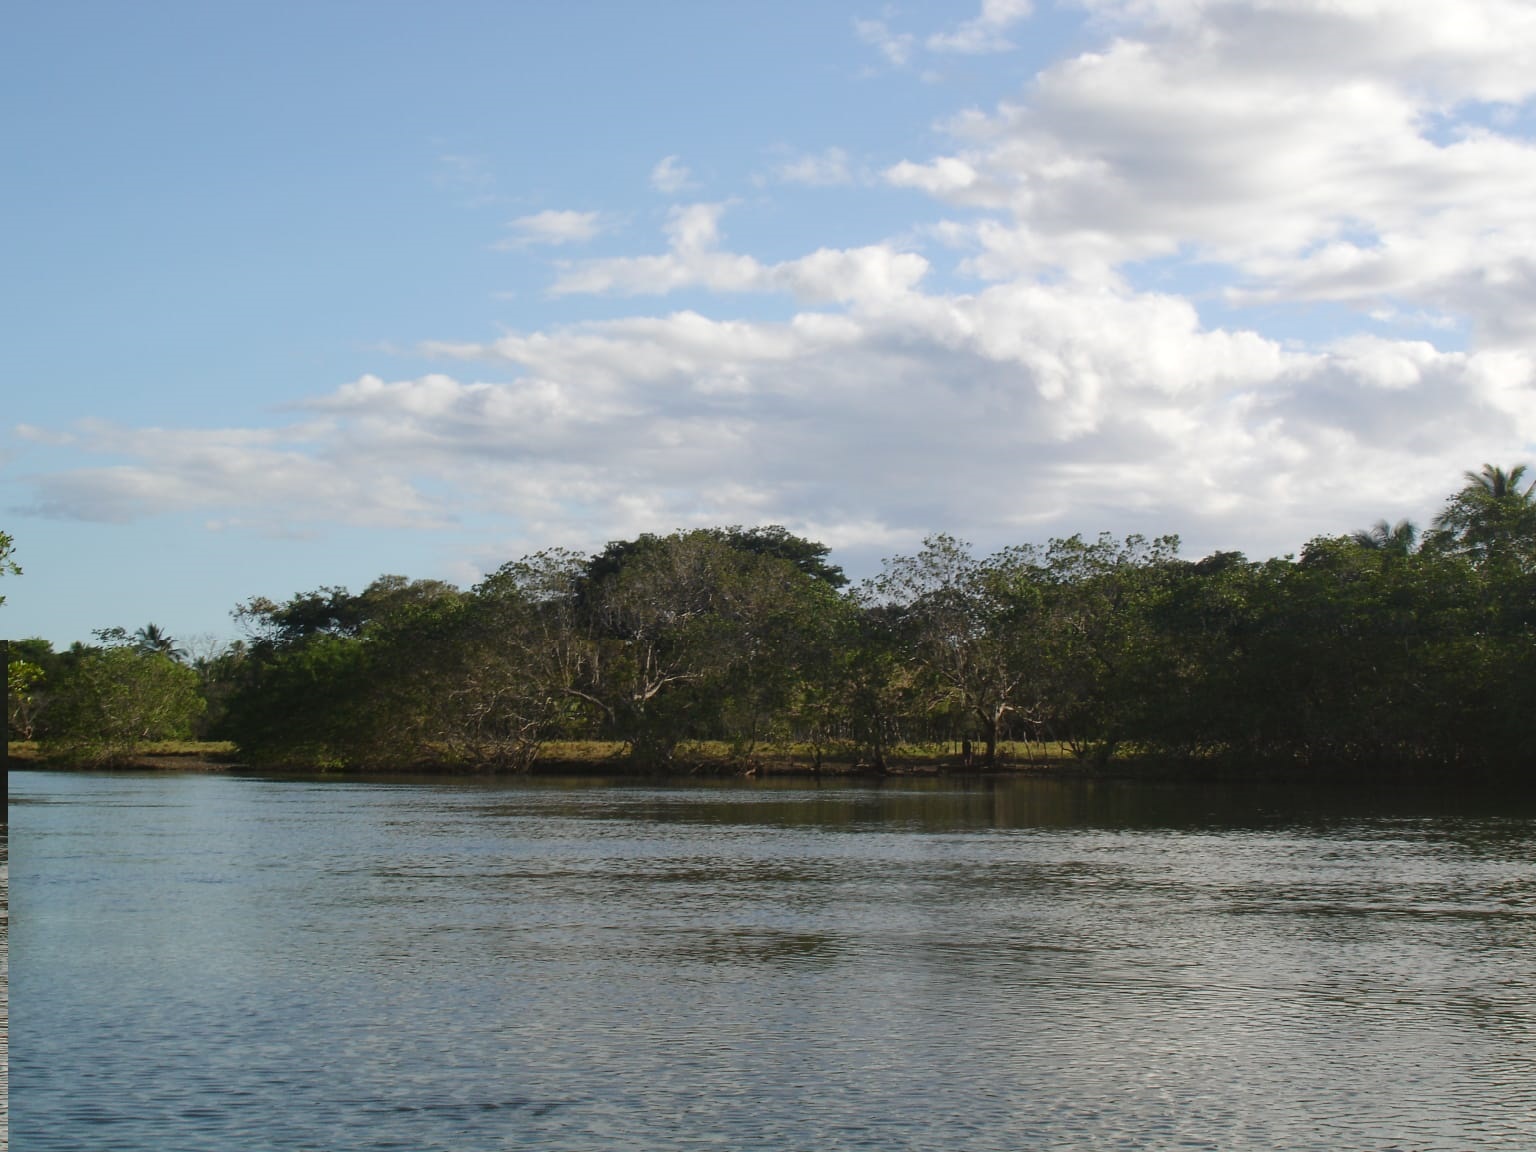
32, 434
294, 475
945, 176
670, 176
694, 259
553, 226
986, 32
1470, 49
817, 169
1336, 154
1298, 144
1010, 414
1414, 319
896, 47
873, 274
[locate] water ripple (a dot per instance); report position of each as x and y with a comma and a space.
226, 963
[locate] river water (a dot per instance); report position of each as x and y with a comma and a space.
221, 962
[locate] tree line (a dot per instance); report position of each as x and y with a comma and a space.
1383, 650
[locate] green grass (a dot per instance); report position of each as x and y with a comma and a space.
206, 750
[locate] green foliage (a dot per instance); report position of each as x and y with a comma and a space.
1371, 652
151, 639
1102, 651
115, 699
1389, 539
311, 705
8, 565
1491, 521
777, 541
495, 675
972, 628
334, 612
220, 670
689, 627
770, 540
22, 679
28, 709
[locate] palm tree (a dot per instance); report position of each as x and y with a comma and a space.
1500, 485
1389, 539
1491, 516
150, 640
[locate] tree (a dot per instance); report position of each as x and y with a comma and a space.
116, 698
8, 565
30, 710
775, 540
970, 625
828, 669
309, 705
333, 611
1198, 626
783, 617
1104, 657
327, 611
151, 639
321, 681
22, 677
1491, 520
506, 663
769, 540
1498, 484
1388, 539
686, 630
219, 666
875, 690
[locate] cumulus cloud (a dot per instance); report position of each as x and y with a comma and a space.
670, 176
986, 32
1337, 154
553, 226
694, 259
1008, 414
1312, 149
1473, 49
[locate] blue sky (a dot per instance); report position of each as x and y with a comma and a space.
303, 294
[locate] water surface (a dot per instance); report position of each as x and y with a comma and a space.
216, 962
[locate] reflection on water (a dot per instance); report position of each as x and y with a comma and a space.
216, 962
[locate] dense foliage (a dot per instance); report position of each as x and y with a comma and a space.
99, 703
1376, 651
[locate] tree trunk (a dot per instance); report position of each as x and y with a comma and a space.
991, 725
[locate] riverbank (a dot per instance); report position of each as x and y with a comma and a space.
598, 758
719, 759
163, 755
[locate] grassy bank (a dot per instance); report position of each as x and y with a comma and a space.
722, 758
702, 757
173, 755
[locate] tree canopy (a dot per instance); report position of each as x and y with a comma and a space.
1377, 650
8, 565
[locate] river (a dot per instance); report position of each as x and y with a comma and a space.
228, 962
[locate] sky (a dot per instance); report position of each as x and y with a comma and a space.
299, 294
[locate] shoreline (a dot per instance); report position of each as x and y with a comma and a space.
916, 764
